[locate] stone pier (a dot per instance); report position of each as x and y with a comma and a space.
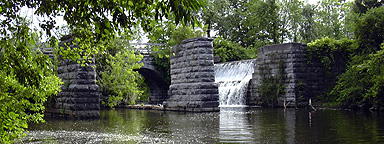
304, 79
292, 60
193, 85
79, 97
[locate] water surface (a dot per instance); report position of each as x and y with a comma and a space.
230, 125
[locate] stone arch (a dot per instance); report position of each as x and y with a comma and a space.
158, 88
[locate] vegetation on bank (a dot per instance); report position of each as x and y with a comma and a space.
361, 85
117, 79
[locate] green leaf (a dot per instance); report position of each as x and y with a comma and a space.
106, 31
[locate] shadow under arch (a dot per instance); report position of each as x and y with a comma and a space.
158, 88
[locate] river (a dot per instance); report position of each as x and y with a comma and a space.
230, 125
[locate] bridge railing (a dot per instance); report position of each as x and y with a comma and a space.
41, 47
146, 50
148, 47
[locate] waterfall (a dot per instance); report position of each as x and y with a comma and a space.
233, 79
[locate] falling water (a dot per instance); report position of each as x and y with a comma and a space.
233, 79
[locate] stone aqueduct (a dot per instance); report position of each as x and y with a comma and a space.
193, 85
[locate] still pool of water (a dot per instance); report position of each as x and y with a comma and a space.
230, 125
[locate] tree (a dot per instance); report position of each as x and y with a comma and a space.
307, 30
330, 16
362, 85
362, 6
369, 30
26, 78
115, 73
290, 16
118, 80
229, 51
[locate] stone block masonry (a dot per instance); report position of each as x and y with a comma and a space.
303, 78
193, 85
293, 60
79, 97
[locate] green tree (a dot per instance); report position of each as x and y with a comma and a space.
369, 30
229, 51
307, 30
362, 6
115, 73
290, 16
362, 85
26, 81
119, 80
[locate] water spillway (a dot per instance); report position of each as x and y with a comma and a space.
233, 79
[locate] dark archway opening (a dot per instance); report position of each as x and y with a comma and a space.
158, 88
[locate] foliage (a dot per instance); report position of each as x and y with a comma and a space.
259, 22
119, 80
272, 87
369, 30
26, 81
229, 51
290, 19
244, 22
330, 51
362, 85
127, 85
362, 6
181, 33
106, 16
307, 31
170, 34
162, 63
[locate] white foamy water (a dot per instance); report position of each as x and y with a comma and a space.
233, 79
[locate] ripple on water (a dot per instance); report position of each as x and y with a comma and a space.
62, 136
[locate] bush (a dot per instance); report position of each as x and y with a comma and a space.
162, 63
327, 50
362, 85
369, 30
229, 51
118, 81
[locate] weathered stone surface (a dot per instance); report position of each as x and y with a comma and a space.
303, 79
158, 87
79, 97
192, 77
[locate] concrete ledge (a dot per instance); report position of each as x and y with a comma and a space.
87, 114
162, 108
143, 107
183, 109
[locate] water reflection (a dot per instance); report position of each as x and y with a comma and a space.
231, 125
234, 125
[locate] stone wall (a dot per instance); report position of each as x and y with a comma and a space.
303, 79
79, 97
192, 77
